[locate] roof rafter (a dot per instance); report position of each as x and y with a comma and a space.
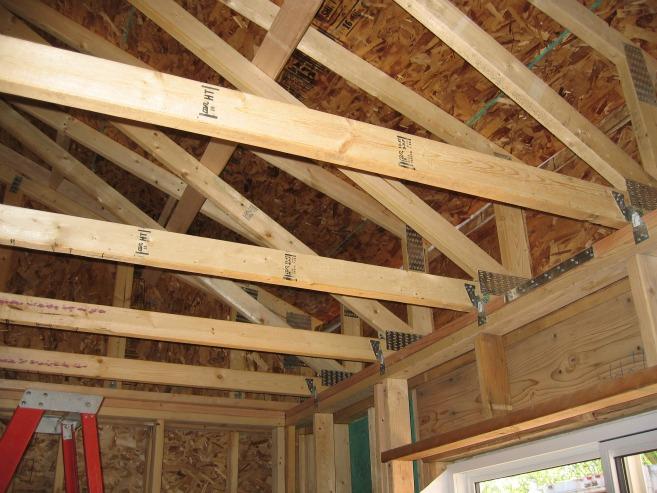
63, 77
508, 73
154, 247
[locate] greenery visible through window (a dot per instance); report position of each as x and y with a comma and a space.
579, 477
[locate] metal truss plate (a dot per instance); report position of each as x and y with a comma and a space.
642, 196
547, 276
645, 89
397, 340
348, 313
331, 377
298, 320
415, 250
498, 284
51, 424
68, 402
477, 302
633, 216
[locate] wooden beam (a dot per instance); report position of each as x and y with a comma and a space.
595, 32
493, 375
351, 325
290, 459
642, 271
233, 457
278, 459
129, 370
342, 459
457, 338
508, 73
345, 142
622, 391
162, 249
399, 97
394, 422
375, 450
324, 453
271, 57
156, 456
122, 298
122, 322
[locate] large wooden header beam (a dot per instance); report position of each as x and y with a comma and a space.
77, 80
155, 248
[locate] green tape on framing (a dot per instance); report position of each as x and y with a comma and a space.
416, 463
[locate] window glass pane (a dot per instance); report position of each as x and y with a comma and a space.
572, 478
640, 472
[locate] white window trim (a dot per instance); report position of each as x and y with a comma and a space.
588, 443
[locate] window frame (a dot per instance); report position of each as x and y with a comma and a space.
603, 441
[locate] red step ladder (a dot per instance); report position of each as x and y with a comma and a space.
45, 411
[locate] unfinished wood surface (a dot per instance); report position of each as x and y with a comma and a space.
399, 97
416, 258
290, 459
105, 368
13, 197
394, 422
156, 248
493, 375
375, 450
642, 271
324, 453
122, 298
107, 320
247, 118
457, 338
278, 459
351, 325
342, 459
512, 235
621, 391
373, 313
508, 73
232, 466
156, 456
595, 32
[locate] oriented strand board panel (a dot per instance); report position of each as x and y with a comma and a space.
600, 343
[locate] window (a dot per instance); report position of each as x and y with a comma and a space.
637, 473
580, 477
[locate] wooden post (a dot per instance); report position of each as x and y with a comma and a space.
324, 453
122, 298
375, 451
415, 257
302, 460
155, 456
493, 374
232, 467
342, 459
642, 270
290, 459
394, 427
278, 459
351, 325
58, 485
513, 240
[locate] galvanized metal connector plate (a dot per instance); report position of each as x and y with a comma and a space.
68, 402
633, 216
331, 377
551, 274
645, 89
415, 250
498, 284
642, 197
376, 348
51, 424
397, 340
478, 302
312, 388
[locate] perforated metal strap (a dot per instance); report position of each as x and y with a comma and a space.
643, 85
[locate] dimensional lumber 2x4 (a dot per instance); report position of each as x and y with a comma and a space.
86, 82
155, 248
126, 322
